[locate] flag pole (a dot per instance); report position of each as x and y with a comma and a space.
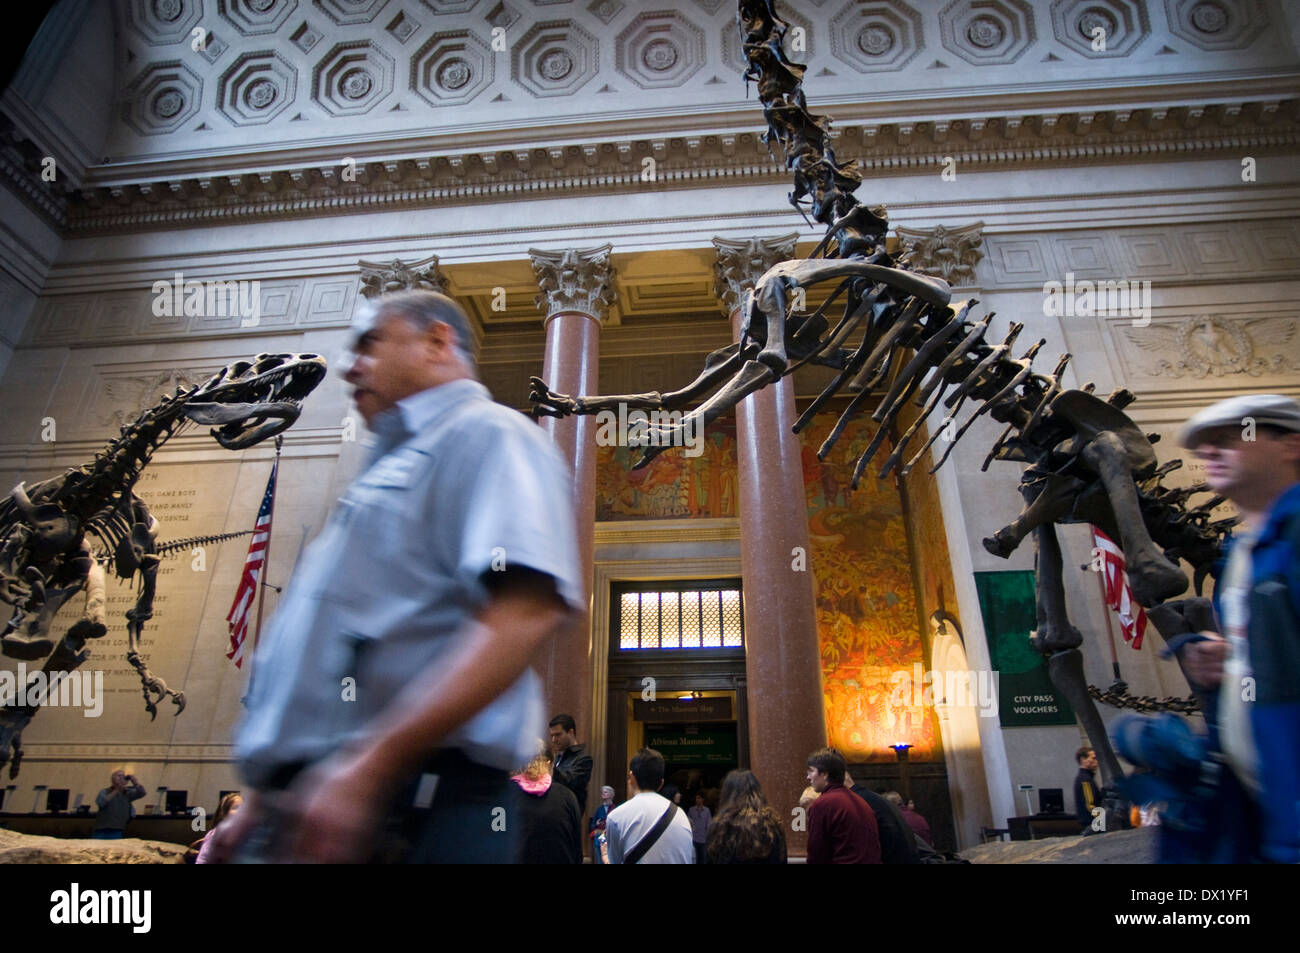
1106, 610
266, 560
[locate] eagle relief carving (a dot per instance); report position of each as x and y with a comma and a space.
1210, 346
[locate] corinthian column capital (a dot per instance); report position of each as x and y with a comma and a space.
741, 262
947, 253
574, 279
381, 278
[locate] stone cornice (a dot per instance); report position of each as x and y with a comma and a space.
998, 142
909, 104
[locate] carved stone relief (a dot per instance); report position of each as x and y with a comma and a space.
574, 280
162, 98
256, 88
1097, 28
402, 27
741, 262
381, 278
872, 37
987, 32
1212, 346
947, 253
605, 10
554, 58
346, 12
352, 78
659, 49
452, 67
1217, 24
256, 17
124, 396
162, 22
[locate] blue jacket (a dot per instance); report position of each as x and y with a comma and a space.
1273, 634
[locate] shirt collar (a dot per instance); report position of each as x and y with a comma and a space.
1287, 505
414, 414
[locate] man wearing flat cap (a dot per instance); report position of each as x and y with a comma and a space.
1251, 449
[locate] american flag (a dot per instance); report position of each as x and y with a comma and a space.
1132, 618
246, 595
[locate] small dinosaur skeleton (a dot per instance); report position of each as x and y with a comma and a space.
54, 536
1086, 461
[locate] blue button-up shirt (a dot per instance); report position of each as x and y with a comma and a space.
457, 487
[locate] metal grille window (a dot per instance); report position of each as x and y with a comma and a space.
694, 616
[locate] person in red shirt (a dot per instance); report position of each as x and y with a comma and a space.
842, 829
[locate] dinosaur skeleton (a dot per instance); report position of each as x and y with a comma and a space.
56, 536
1086, 461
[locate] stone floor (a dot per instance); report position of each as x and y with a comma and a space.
1120, 847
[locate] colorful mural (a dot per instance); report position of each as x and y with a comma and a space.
866, 603
673, 486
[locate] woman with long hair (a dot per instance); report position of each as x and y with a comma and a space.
230, 804
745, 830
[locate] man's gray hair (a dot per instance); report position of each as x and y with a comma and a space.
423, 308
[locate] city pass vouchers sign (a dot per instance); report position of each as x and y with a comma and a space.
1026, 695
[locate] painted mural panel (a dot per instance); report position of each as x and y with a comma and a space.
866, 602
674, 485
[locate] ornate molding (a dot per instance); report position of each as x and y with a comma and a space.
727, 158
947, 253
574, 280
1211, 346
381, 278
740, 264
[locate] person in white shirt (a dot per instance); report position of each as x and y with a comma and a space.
648, 828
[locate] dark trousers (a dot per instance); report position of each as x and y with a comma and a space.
467, 821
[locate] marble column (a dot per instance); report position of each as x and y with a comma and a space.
787, 716
576, 290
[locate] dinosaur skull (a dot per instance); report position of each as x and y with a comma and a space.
249, 401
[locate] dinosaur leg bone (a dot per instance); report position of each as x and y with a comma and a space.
1152, 577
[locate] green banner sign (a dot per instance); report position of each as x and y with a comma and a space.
1026, 695
706, 747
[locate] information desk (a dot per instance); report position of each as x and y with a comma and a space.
1038, 826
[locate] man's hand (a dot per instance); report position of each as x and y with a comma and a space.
1203, 661
338, 809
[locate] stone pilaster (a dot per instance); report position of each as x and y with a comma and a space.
787, 719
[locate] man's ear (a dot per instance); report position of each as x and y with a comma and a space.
440, 334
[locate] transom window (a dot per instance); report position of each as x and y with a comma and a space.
692, 614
